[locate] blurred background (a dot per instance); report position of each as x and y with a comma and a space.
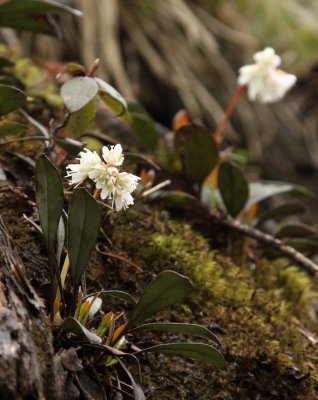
176, 54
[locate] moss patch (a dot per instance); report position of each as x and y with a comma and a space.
261, 308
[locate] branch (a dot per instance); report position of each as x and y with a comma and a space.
288, 251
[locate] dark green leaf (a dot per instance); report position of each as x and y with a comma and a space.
8, 128
141, 158
233, 188
196, 351
143, 126
304, 245
49, 199
166, 289
73, 147
78, 91
117, 294
74, 69
295, 229
198, 151
11, 99
5, 62
280, 212
71, 325
186, 329
262, 190
138, 393
111, 98
84, 219
36, 7
172, 198
82, 119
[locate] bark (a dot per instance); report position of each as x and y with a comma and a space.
26, 353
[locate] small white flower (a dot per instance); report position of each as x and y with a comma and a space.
264, 81
125, 184
106, 182
113, 156
89, 166
95, 306
113, 185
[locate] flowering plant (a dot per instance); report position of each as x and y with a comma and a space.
110, 182
264, 81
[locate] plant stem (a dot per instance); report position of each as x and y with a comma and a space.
97, 193
228, 112
93, 68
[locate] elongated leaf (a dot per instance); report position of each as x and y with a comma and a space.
262, 190
11, 99
73, 147
117, 294
138, 393
111, 98
71, 325
49, 199
295, 230
11, 128
78, 91
166, 289
172, 198
137, 157
83, 226
143, 126
233, 188
60, 240
196, 351
36, 6
198, 151
81, 120
187, 329
280, 212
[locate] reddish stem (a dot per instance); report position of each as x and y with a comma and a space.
228, 112
93, 68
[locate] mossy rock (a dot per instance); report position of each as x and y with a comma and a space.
263, 309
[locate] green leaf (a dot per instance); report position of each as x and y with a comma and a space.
295, 230
143, 126
167, 288
172, 198
280, 212
60, 240
233, 188
111, 98
262, 190
74, 69
117, 294
83, 226
49, 199
11, 99
5, 62
136, 157
36, 7
196, 351
11, 128
73, 147
71, 325
198, 151
78, 91
138, 393
82, 119
186, 329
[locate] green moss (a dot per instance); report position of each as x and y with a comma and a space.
260, 306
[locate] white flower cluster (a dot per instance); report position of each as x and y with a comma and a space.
112, 183
264, 81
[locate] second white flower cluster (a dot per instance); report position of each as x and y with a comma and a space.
112, 184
